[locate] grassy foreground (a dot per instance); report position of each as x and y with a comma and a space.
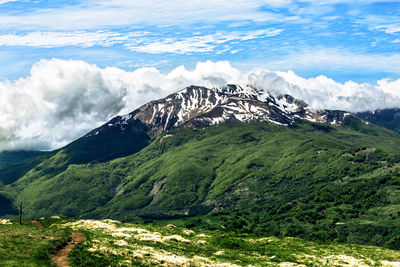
111, 243
28, 244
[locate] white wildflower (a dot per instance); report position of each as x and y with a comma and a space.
177, 238
156, 237
188, 232
121, 243
201, 242
111, 221
136, 230
202, 235
171, 259
290, 264
5, 221
137, 255
390, 263
344, 260
92, 250
119, 234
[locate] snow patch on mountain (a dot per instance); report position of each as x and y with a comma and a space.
201, 107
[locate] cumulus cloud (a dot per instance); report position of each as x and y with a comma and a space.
62, 100
324, 93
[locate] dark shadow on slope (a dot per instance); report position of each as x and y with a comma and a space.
108, 142
6, 206
12, 172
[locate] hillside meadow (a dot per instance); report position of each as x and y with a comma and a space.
112, 243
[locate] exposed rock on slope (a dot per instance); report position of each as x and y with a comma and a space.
200, 107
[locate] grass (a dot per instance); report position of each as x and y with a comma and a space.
29, 245
111, 243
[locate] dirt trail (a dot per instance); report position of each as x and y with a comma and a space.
61, 256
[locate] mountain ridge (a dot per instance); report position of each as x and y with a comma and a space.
388, 118
198, 106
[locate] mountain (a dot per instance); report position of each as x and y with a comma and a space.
230, 158
197, 106
14, 164
388, 118
13, 157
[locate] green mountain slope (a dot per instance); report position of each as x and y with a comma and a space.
310, 180
12, 157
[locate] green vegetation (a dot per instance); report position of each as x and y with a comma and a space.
29, 245
314, 181
14, 165
111, 243
11, 157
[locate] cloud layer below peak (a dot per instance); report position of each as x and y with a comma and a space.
62, 100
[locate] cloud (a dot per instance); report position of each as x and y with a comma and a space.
333, 2
389, 29
337, 59
134, 41
324, 93
6, 1
60, 39
97, 14
62, 100
201, 43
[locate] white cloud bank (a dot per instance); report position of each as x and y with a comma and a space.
62, 100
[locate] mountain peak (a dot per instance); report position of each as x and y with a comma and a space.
198, 106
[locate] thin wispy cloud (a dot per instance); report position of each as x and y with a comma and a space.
60, 39
98, 14
390, 29
201, 43
337, 59
6, 1
134, 41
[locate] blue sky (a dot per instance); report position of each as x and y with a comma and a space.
344, 40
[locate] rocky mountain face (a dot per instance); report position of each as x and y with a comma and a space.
197, 106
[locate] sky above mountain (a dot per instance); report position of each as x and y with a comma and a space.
342, 39
69, 66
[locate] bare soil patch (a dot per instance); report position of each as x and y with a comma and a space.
61, 256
